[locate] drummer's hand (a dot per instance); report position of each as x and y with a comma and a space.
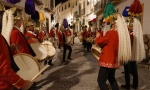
27, 85
98, 34
35, 40
14, 47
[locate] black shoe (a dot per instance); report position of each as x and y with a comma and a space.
51, 64
45, 62
70, 58
65, 61
125, 87
134, 87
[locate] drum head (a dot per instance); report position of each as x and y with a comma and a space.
28, 65
40, 51
47, 43
50, 49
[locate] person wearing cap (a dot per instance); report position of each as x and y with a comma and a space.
18, 40
65, 35
9, 80
85, 36
30, 35
36, 31
59, 36
43, 34
108, 65
52, 32
129, 66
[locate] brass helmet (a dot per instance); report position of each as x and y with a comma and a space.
2, 8
43, 25
30, 22
18, 18
37, 28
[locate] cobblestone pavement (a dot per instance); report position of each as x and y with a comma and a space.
81, 73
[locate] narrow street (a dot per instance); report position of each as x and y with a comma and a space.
81, 72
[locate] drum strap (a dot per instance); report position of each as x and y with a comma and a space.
13, 64
31, 50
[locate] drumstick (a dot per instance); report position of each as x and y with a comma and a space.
45, 67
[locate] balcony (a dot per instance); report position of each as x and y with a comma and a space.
99, 6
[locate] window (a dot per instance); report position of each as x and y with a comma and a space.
88, 2
68, 4
72, 5
76, 3
65, 6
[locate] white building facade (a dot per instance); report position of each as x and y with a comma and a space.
77, 12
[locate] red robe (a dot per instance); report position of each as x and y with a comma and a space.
101, 33
18, 39
109, 54
85, 35
7, 75
52, 33
30, 36
42, 35
60, 37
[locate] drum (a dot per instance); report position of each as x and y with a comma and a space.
40, 50
68, 40
50, 50
79, 35
28, 65
96, 50
47, 43
89, 39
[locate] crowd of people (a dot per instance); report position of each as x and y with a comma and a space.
20, 42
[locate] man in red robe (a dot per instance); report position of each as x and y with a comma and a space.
43, 34
108, 59
8, 78
30, 35
17, 39
52, 32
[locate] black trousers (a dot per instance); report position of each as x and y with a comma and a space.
89, 46
84, 43
104, 74
65, 49
131, 68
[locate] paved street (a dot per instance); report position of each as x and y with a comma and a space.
81, 73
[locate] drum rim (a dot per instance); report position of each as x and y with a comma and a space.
42, 47
30, 57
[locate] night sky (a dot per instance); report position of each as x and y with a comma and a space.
58, 1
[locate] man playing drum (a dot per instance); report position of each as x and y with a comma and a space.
43, 35
18, 40
8, 77
30, 35
65, 36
